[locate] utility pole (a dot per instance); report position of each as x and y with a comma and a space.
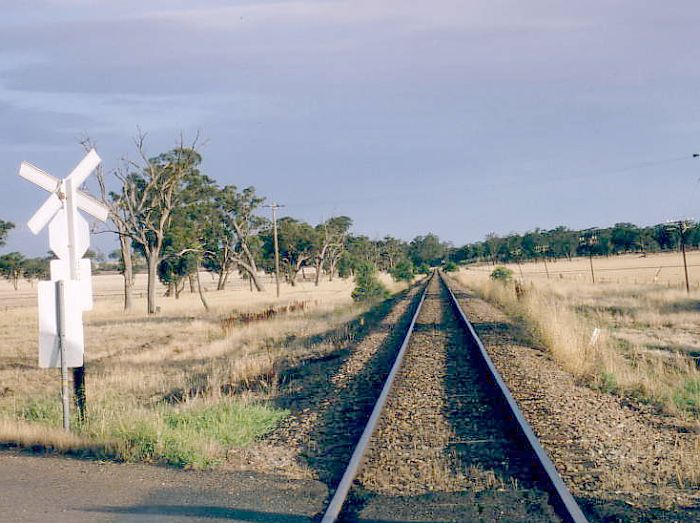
588, 239
542, 249
274, 206
683, 226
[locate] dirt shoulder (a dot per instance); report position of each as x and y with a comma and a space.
622, 461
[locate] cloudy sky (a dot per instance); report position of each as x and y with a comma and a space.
456, 117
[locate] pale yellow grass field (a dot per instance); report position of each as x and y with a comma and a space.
649, 331
135, 362
662, 269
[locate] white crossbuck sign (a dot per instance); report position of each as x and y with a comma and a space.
69, 238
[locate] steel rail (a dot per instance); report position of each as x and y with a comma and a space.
341, 493
565, 502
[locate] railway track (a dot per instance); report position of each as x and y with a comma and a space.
445, 440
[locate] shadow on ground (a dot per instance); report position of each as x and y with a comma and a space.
617, 511
344, 402
167, 512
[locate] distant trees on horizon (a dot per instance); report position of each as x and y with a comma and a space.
562, 242
169, 214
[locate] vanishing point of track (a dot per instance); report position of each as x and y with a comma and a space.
446, 440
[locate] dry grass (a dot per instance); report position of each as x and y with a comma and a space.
146, 373
664, 270
650, 334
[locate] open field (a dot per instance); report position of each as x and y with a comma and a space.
165, 388
661, 269
648, 345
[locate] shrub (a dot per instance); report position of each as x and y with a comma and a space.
403, 271
137, 440
607, 382
367, 287
423, 268
502, 274
450, 266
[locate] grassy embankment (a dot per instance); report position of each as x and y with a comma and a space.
650, 327
174, 388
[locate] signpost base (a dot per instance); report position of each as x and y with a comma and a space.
79, 391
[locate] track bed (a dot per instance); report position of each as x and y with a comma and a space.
445, 448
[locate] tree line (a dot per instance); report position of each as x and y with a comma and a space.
562, 242
166, 211
180, 220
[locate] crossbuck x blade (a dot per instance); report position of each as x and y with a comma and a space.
53, 185
45, 213
41, 178
84, 168
92, 206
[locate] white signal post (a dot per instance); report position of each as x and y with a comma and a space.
62, 300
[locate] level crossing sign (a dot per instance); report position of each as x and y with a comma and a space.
61, 306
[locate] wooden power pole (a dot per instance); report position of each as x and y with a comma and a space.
274, 206
683, 227
588, 239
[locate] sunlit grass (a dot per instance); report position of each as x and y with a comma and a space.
636, 355
172, 388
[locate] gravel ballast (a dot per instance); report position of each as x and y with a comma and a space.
620, 459
444, 449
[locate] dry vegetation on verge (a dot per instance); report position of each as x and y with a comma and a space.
649, 340
176, 387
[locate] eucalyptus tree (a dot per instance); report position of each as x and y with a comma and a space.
151, 189
118, 217
4, 229
184, 240
391, 252
36, 269
296, 240
625, 237
231, 238
11, 267
359, 249
492, 244
330, 243
427, 250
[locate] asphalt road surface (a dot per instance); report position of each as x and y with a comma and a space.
56, 490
